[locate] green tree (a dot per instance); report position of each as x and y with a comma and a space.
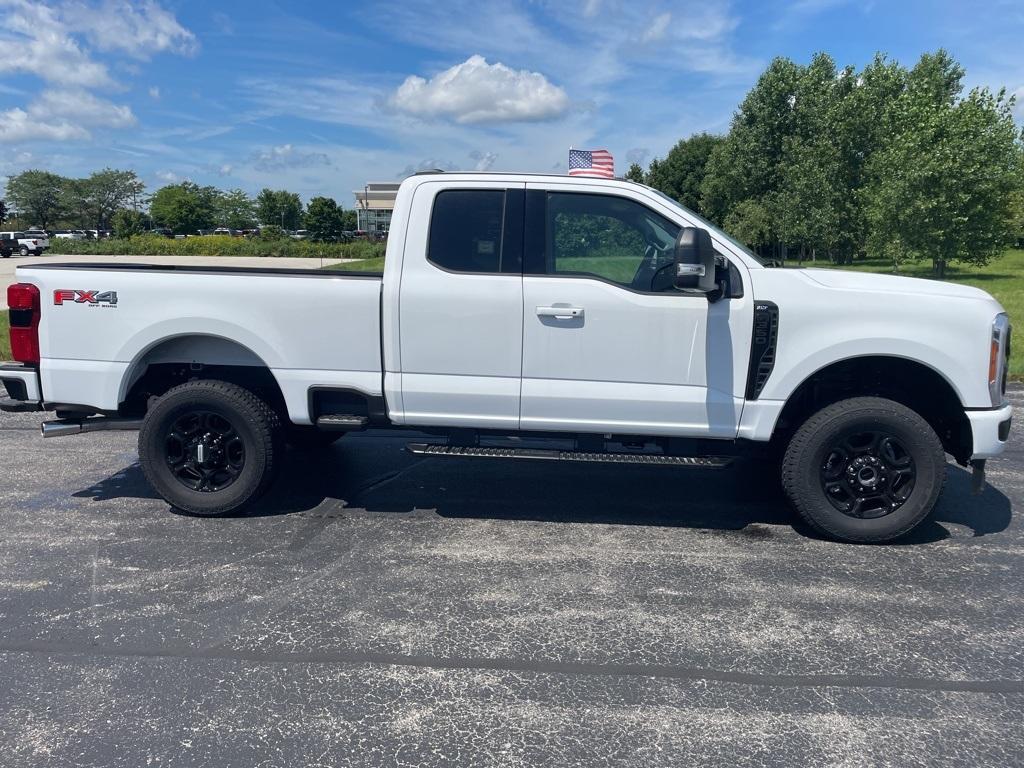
184, 207
37, 196
349, 221
104, 192
681, 173
323, 219
74, 203
635, 173
128, 222
279, 208
236, 210
943, 188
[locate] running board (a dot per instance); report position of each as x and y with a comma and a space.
341, 422
705, 462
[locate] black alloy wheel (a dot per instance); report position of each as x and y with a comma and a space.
868, 474
204, 451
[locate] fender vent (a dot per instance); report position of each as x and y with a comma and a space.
762, 347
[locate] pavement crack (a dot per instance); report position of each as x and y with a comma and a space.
586, 669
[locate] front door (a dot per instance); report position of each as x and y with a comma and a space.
608, 344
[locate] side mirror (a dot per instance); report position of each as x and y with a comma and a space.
695, 261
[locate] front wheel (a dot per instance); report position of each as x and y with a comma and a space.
210, 448
23, 251
864, 470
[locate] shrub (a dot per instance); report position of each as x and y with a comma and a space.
147, 245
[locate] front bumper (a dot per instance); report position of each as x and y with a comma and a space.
990, 429
19, 388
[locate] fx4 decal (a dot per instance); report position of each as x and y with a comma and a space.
84, 297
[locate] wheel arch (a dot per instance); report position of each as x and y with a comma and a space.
913, 383
173, 360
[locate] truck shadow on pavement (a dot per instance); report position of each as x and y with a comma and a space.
743, 499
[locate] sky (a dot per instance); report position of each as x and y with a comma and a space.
321, 97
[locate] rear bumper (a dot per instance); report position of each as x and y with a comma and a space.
20, 385
990, 429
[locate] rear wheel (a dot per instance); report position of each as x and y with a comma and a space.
23, 251
864, 470
209, 447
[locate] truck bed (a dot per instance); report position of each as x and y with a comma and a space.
309, 327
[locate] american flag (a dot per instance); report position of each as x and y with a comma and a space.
591, 162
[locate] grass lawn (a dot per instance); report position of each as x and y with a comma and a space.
5, 337
1003, 278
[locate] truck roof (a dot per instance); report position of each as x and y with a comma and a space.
521, 174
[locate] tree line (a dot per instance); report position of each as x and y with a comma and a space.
117, 200
886, 162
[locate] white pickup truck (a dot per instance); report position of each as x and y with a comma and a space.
528, 316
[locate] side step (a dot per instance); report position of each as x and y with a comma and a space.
341, 422
430, 449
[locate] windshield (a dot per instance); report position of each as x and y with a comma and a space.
708, 225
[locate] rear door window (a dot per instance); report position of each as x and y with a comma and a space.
467, 228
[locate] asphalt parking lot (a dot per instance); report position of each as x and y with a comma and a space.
382, 609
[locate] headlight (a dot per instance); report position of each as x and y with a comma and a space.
999, 359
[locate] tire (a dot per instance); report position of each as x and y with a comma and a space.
23, 251
864, 470
310, 439
242, 445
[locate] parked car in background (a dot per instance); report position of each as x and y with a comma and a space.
226, 232
300, 234
31, 242
68, 234
162, 232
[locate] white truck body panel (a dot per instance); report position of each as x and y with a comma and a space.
310, 330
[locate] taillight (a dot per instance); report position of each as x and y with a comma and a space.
23, 302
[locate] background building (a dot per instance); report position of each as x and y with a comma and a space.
374, 205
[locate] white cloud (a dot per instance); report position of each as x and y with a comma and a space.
484, 160
477, 92
657, 29
154, 92
139, 29
286, 156
81, 107
42, 45
48, 40
169, 177
19, 125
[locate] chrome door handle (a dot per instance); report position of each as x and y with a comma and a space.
560, 313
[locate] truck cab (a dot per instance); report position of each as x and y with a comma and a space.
539, 317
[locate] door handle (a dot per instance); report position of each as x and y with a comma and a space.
560, 313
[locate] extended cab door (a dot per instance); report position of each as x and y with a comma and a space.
461, 305
608, 344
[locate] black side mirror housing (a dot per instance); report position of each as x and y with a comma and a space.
695, 262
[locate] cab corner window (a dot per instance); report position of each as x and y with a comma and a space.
611, 238
466, 230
